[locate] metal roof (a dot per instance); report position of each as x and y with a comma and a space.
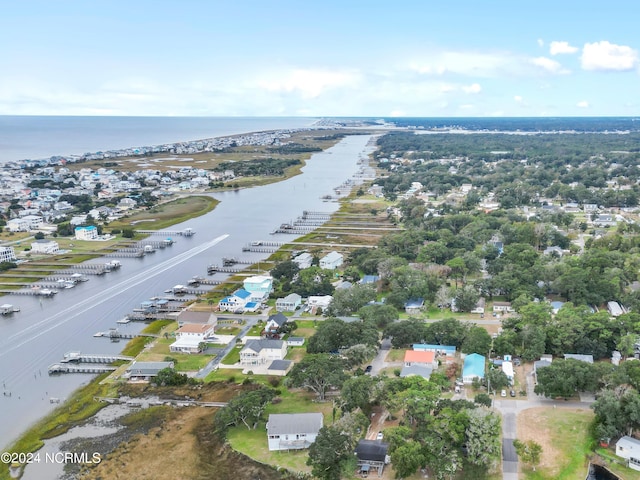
292, 423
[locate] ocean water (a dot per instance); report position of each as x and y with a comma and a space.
35, 137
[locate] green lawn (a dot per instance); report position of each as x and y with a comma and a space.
396, 355
233, 356
616, 464
568, 432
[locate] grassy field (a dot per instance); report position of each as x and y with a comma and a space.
564, 436
167, 214
233, 356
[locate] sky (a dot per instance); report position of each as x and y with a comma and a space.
371, 58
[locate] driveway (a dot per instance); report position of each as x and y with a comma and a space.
378, 363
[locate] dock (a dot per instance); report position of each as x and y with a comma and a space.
195, 281
44, 292
79, 357
115, 334
64, 368
126, 253
187, 232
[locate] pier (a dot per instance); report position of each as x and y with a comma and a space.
114, 334
187, 232
79, 357
63, 368
31, 291
212, 269
126, 253
195, 281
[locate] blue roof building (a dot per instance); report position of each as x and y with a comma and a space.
473, 367
443, 349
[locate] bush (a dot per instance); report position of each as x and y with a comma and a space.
274, 381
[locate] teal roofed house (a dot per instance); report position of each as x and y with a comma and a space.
473, 367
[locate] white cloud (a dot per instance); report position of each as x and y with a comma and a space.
473, 88
583, 104
606, 56
540, 42
557, 48
549, 65
476, 64
517, 98
309, 83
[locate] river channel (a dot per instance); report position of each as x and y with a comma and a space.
46, 328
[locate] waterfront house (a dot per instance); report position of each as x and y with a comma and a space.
473, 367
303, 260
331, 261
89, 232
190, 337
288, 303
48, 247
260, 286
145, 371
293, 431
629, 449
235, 302
260, 352
189, 316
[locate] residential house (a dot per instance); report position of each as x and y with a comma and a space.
34, 222
579, 356
235, 302
7, 254
502, 307
414, 306
319, 301
303, 260
274, 325
89, 232
479, 308
629, 449
279, 368
78, 220
369, 280
372, 455
289, 303
48, 247
507, 368
604, 220
145, 371
420, 357
473, 367
293, 431
260, 286
260, 352
18, 225
295, 341
614, 308
127, 203
555, 250
190, 337
189, 316
448, 350
331, 261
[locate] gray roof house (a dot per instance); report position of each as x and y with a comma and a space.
145, 370
372, 454
293, 431
259, 352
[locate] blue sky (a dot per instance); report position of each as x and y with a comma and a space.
311, 58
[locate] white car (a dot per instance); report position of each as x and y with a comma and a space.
380, 436
503, 393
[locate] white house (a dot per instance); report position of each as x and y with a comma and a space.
189, 316
48, 247
18, 225
235, 302
629, 449
331, 261
190, 336
34, 222
303, 260
293, 431
275, 322
479, 308
260, 352
7, 254
507, 368
502, 307
321, 301
89, 232
288, 303
614, 308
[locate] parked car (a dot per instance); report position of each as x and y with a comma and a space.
503, 393
380, 436
368, 369
512, 393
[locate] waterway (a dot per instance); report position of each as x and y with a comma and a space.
46, 328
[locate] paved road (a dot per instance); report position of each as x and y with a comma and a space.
378, 363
